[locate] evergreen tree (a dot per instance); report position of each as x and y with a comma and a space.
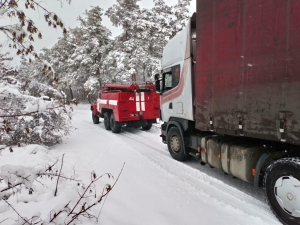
75, 63
145, 33
85, 57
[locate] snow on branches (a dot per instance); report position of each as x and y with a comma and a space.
39, 179
145, 33
86, 57
30, 111
20, 30
35, 115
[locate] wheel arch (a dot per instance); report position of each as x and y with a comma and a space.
105, 110
270, 162
94, 109
263, 162
185, 124
262, 165
266, 160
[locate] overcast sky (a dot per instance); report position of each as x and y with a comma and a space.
69, 14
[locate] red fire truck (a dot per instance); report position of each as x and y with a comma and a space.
136, 105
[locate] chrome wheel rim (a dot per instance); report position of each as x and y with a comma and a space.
175, 144
287, 193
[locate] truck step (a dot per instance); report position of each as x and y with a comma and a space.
197, 155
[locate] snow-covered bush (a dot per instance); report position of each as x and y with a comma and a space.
31, 113
39, 179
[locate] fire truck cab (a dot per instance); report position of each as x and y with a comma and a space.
136, 105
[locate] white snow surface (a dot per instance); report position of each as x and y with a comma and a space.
153, 189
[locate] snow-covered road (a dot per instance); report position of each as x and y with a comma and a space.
153, 189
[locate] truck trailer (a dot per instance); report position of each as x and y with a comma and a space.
230, 95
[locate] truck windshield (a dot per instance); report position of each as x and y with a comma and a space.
171, 78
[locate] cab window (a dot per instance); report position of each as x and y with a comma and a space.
171, 77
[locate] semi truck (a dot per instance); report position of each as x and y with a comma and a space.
136, 105
230, 95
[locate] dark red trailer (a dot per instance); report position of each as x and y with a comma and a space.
249, 55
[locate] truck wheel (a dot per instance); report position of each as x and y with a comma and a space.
106, 121
115, 126
95, 118
175, 144
282, 186
147, 126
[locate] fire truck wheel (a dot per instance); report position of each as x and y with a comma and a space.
95, 119
115, 126
106, 121
147, 126
175, 144
282, 186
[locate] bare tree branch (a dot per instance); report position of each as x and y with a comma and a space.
108, 188
62, 162
16, 211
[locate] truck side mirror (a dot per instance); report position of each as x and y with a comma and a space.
157, 82
157, 85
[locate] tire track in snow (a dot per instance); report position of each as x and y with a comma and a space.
201, 181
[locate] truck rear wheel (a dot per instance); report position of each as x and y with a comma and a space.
282, 186
115, 126
107, 121
95, 118
175, 144
147, 126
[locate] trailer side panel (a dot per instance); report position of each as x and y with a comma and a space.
248, 68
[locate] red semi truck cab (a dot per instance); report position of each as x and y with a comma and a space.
136, 105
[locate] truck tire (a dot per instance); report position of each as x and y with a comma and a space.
114, 125
175, 144
95, 118
282, 186
107, 121
147, 126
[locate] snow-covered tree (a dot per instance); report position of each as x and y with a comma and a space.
145, 33
124, 14
181, 12
86, 57
4, 59
76, 60
31, 110
90, 52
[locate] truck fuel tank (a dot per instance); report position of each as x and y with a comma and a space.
239, 159
203, 147
235, 156
214, 151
